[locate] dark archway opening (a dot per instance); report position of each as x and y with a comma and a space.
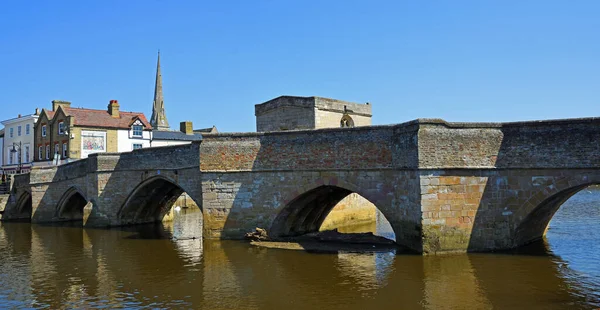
329, 207
161, 209
150, 202
24, 209
72, 207
158, 200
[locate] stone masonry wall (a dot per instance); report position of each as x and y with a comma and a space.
331, 119
286, 118
487, 186
248, 179
357, 148
542, 144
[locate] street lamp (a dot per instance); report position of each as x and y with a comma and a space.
14, 150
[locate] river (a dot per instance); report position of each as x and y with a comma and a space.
160, 266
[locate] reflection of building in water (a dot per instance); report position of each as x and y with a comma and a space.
186, 228
15, 246
370, 270
451, 280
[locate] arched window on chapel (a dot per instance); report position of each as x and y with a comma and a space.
346, 121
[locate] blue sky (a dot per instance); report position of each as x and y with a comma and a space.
456, 60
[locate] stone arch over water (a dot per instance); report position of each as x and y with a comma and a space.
307, 211
151, 200
534, 217
23, 207
71, 205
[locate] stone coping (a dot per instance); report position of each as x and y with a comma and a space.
414, 123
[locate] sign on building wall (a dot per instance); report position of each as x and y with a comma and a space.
92, 142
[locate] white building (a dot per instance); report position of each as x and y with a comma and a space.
18, 144
1, 148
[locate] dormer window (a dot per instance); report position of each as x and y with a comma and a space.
137, 130
61, 128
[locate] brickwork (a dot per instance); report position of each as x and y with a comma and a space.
369, 147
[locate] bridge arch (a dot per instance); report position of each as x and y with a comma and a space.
23, 208
71, 205
151, 200
533, 219
306, 210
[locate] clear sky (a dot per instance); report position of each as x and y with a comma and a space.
456, 60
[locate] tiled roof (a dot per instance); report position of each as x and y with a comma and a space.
50, 114
101, 118
175, 135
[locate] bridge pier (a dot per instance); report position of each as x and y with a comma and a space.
487, 210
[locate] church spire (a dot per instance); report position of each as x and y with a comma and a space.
159, 118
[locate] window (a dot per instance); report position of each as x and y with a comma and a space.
47, 151
43, 130
27, 129
40, 152
56, 151
64, 154
19, 131
346, 121
26, 158
137, 146
137, 130
61, 128
10, 158
12, 132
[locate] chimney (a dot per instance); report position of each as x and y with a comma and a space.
186, 128
113, 108
37, 111
19, 116
60, 103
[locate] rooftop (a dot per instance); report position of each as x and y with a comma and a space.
175, 135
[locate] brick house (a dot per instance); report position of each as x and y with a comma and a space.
74, 133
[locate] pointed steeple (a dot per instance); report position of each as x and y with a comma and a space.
159, 118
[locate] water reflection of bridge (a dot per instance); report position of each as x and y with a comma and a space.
58, 266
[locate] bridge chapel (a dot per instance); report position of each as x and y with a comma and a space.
297, 113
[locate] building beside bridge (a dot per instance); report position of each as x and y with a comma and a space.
73, 133
18, 143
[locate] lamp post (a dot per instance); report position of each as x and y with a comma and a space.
14, 150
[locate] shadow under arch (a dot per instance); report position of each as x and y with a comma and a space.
71, 206
307, 211
535, 224
150, 201
23, 209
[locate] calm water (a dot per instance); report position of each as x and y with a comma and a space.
162, 267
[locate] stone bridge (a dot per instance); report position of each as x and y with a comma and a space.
444, 187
